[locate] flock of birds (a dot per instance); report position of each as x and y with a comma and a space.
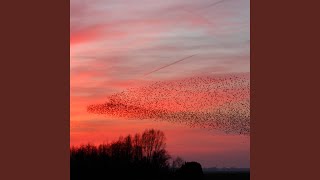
220, 102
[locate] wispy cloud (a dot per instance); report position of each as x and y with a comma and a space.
114, 43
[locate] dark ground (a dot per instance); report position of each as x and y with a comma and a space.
142, 157
227, 176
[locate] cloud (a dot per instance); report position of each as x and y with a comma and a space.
114, 42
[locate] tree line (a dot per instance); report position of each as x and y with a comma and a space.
141, 156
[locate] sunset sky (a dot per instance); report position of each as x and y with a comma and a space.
121, 44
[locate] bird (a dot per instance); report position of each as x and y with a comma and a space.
220, 102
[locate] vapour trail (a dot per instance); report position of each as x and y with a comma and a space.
158, 69
214, 4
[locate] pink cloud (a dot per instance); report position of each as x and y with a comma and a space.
113, 43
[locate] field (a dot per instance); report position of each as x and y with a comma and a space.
227, 175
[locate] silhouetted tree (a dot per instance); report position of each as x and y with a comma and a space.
190, 170
177, 163
139, 156
152, 142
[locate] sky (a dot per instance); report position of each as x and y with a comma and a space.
116, 45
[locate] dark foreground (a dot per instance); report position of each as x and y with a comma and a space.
206, 176
142, 157
227, 176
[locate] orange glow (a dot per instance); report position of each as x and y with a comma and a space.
113, 45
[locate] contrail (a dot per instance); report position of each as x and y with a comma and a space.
193, 12
212, 4
158, 69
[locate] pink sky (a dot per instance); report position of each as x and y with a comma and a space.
114, 43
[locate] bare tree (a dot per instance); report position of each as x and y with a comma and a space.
153, 141
177, 163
